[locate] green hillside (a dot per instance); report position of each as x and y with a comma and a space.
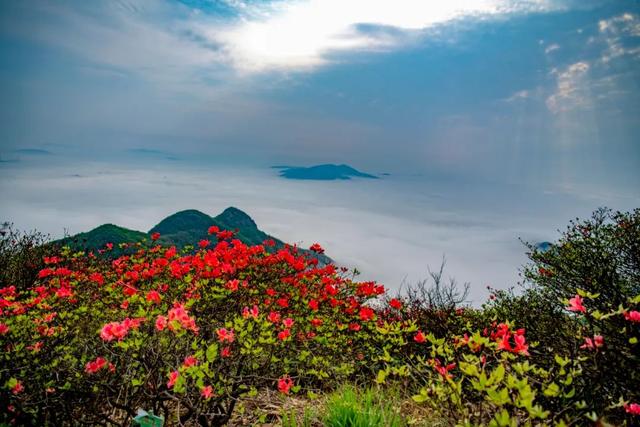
100, 236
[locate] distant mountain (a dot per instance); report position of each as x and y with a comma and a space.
323, 172
543, 246
100, 236
180, 229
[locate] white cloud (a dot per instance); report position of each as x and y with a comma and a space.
302, 34
551, 48
613, 30
572, 89
519, 95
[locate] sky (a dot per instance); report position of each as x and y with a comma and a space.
496, 119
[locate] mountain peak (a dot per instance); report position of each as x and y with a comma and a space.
235, 218
184, 220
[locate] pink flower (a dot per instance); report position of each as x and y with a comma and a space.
189, 361
161, 323
225, 335
95, 366
592, 344
113, 330
274, 317
253, 312
178, 314
226, 352
575, 304
284, 384
632, 408
173, 377
207, 392
632, 316
288, 322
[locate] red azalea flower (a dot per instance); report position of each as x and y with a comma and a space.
283, 302
284, 384
95, 366
213, 229
632, 316
313, 304
288, 322
419, 337
161, 323
155, 236
226, 352
96, 278
632, 408
575, 304
232, 285
284, 334
273, 317
316, 248
395, 303
225, 335
173, 377
154, 296
18, 388
189, 361
4, 329
203, 243
366, 313
207, 392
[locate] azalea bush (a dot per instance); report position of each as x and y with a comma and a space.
581, 302
184, 335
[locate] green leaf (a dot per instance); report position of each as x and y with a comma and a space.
552, 390
212, 352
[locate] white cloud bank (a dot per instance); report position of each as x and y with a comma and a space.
303, 34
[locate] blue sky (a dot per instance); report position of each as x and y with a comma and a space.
495, 89
516, 99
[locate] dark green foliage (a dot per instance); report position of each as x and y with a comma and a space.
20, 256
598, 258
98, 237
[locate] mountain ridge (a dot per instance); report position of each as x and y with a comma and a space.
186, 227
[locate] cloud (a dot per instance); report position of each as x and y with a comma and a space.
551, 48
305, 34
519, 95
615, 30
572, 89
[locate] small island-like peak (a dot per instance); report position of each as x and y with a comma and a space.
323, 172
